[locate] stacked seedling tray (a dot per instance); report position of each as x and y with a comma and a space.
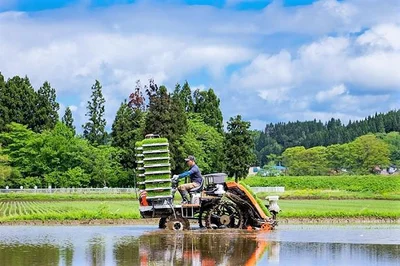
140, 165
157, 167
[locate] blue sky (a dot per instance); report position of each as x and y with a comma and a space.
267, 60
37, 5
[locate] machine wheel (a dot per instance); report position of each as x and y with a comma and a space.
225, 214
178, 224
204, 213
162, 224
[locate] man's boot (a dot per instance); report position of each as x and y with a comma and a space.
185, 196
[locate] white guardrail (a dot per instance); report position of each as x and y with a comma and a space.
267, 189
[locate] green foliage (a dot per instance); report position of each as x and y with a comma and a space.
359, 156
368, 152
205, 143
238, 148
46, 115
185, 96
166, 117
126, 131
59, 158
68, 120
94, 129
315, 133
368, 183
207, 104
393, 140
17, 102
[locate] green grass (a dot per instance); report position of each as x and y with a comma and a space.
20, 210
68, 210
339, 209
330, 194
374, 184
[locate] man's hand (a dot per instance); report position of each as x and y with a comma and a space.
175, 178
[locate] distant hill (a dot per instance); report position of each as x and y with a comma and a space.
277, 137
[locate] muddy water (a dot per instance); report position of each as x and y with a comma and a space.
146, 245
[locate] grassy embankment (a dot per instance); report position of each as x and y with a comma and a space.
331, 187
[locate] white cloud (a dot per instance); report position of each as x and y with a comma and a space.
73, 108
384, 36
118, 45
327, 95
266, 71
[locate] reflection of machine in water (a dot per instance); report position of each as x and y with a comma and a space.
200, 248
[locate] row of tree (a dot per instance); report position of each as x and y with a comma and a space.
38, 149
364, 155
276, 138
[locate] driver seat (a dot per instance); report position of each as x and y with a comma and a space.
199, 188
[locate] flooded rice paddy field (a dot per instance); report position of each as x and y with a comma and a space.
147, 245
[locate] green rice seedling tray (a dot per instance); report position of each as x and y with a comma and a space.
160, 165
157, 172
156, 140
161, 153
158, 176
158, 185
164, 155
151, 162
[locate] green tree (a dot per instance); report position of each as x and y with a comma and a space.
207, 104
46, 115
105, 168
166, 117
393, 140
238, 147
68, 120
126, 130
205, 143
94, 129
17, 102
185, 95
339, 156
368, 152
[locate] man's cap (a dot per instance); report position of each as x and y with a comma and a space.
190, 158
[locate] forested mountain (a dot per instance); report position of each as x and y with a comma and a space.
278, 137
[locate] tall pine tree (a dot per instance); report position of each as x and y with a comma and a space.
94, 129
238, 148
17, 102
166, 116
185, 96
207, 104
46, 115
68, 120
126, 130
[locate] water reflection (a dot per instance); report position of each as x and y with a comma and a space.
193, 248
123, 246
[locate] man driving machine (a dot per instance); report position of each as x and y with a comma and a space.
195, 179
